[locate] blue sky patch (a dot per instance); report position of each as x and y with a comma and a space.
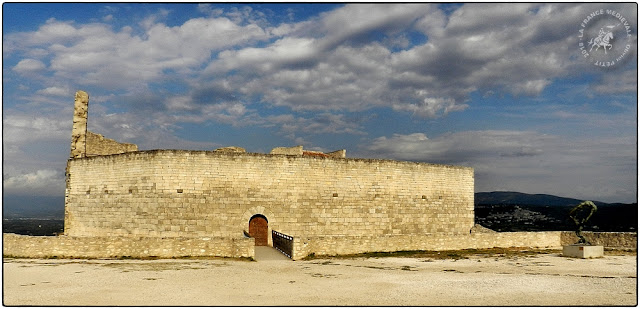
503, 88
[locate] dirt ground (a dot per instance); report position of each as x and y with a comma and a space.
546, 279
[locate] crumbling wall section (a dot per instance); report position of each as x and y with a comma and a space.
98, 145
342, 153
85, 143
289, 151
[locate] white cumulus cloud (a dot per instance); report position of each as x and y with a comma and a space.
42, 182
56, 91
29, 66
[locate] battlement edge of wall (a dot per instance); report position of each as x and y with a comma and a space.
212, 153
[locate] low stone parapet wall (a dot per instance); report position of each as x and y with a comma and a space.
341, 245
610, 240
139, 247
136, 247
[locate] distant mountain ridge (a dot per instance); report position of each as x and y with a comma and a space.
521, 212
42, 207
518, 198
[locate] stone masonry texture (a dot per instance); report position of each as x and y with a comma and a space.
292, 151
106, 247
98, 145
332, 245
136, 247
79, 130
612, 240
177, 193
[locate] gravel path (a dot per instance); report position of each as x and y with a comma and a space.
544, 279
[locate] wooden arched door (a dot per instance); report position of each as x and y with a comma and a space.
259, 230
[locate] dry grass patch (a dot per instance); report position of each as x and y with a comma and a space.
447, 254
513, 252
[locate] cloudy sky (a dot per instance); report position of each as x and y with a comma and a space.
502, 88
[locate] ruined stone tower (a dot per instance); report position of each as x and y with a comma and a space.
79, 131
88, 144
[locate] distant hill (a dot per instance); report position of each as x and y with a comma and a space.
41, 207
517, 198
515, 211
33, 227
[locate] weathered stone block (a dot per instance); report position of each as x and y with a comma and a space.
231, 149
583, 251
290, 151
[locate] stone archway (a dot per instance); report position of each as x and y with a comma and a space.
248, 214
259, 230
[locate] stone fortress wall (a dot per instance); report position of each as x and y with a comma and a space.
140, 247
178, 193
175, 203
